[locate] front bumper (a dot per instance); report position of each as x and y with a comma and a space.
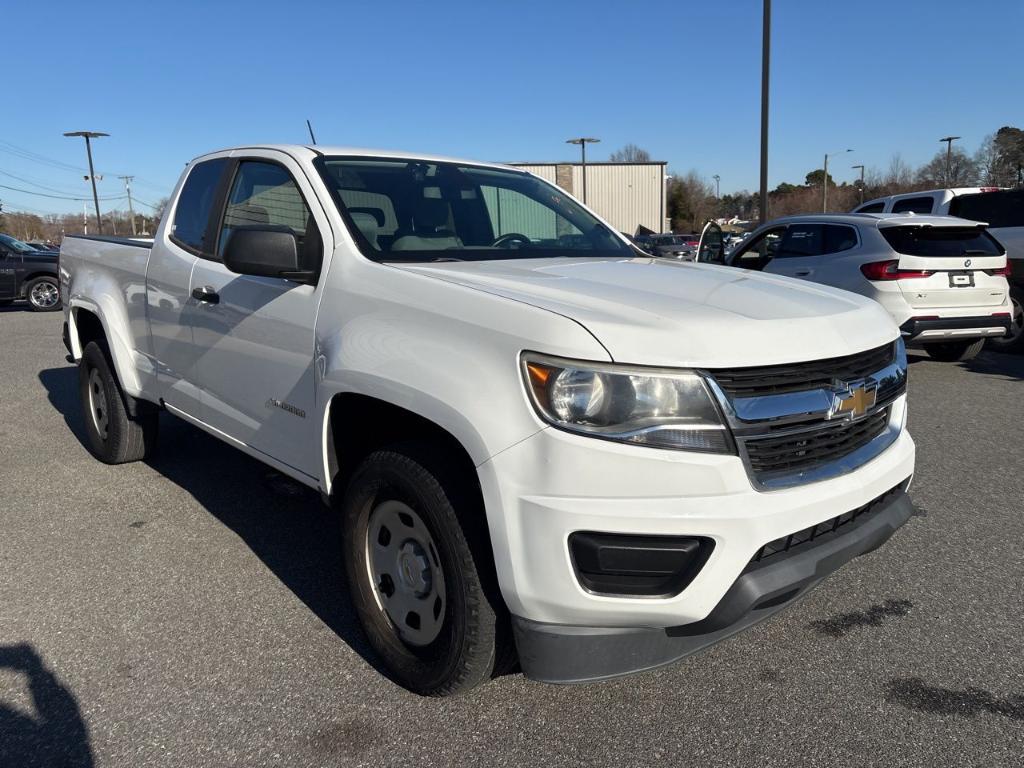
921, 330
575, 654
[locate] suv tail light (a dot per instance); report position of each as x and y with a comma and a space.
890, 270
1001, 272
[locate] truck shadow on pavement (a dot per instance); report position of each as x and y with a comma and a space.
54, 734
284, 523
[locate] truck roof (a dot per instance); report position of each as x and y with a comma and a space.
309, 151
880, 220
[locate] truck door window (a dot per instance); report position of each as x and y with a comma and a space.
192, 213
262, 194
913, 205
872, 208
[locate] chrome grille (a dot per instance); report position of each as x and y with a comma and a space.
798, 377
793, 423
795, 452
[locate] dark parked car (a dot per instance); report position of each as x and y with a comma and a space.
26, 273
42, 245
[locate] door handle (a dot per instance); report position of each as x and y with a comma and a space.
207, 294
802, 273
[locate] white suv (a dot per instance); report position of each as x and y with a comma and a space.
1001, 209
942, 279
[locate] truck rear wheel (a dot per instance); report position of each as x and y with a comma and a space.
420, 572
114, 435
954, 351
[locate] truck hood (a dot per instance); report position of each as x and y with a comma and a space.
650, 311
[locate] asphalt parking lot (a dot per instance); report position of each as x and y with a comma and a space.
191, 611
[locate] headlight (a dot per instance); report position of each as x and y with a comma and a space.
653, 407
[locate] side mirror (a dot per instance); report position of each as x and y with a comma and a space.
264, 251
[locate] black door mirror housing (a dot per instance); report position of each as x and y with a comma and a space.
265, 251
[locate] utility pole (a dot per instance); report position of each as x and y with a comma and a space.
766, 40
949, 156
855, 167
824, 186
88, 135
128, 188
583, 141
718, 191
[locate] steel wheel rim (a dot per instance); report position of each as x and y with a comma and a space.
405, 572
44, 295
98, 403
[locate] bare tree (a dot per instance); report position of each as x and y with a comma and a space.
899, 176
961, 170
630, 153
691, 201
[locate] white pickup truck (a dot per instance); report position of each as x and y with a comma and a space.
543, 443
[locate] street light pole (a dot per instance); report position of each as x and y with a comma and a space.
949, 155
92, 175
824, 186
718, 191
855, 167
583, 141
766, 39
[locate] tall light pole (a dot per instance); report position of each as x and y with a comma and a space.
949, 155
718, 191
583, 141
92, 175
766, 39
855, 167
824, 186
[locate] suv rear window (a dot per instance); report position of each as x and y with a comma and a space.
192, 213
913, 205
941, 241
997, 209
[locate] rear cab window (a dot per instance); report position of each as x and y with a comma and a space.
190, 228
941, 241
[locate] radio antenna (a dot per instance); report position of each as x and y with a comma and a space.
311, 136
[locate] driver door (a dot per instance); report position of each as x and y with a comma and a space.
9, 263
711, 247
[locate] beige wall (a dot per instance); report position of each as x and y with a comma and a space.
624, 194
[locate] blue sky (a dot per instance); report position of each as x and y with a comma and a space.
498, 81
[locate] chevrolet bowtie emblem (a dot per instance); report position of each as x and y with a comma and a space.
853, 400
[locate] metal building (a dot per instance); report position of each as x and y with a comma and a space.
629, 196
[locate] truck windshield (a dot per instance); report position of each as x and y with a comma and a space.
16, 245
420, 211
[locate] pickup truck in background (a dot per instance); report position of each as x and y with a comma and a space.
1001, 209
27, 273
542, 443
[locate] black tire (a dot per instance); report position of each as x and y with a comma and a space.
43, 294
473, 638
1013, 342
954, 351
114, 435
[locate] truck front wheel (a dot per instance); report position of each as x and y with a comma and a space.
420, 572
114, 435
43, 294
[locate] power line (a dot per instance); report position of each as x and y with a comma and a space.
60, 197
37, 184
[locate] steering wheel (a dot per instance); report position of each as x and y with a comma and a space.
510, 237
